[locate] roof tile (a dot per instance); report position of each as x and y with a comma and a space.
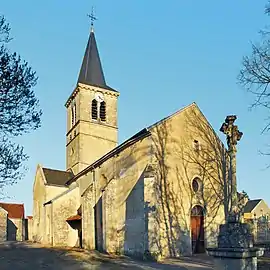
14, 210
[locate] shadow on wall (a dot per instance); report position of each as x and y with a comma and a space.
143, 242
135, 223
178, 160
125, 238
11, 231
163, 225
164, 228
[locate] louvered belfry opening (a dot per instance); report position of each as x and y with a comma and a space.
94, 109
102, 112
72, 117
73, 114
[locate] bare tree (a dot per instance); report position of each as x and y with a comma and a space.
255, 73
19, 109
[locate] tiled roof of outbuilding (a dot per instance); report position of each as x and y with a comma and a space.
14, 210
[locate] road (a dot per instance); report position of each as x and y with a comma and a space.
29, 256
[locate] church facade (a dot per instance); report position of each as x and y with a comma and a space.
162, 192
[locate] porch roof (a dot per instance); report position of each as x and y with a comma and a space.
73, 218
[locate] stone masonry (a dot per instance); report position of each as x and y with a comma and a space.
3, 225
147, 213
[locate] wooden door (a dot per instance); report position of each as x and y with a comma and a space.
197, 230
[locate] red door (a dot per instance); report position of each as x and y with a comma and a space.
197, 230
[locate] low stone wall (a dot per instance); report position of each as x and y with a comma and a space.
3, 225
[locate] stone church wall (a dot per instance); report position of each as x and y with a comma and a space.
38, 208
47, 226
63, 208
120, 184
3, 225
42, 194
51, 192
147, 212
179, 160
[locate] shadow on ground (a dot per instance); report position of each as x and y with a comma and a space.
29, 256
22, 256
15, 255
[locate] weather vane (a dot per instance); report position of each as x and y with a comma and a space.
92, 18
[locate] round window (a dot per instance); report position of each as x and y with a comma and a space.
195, 185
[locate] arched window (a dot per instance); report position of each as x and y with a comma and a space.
94, 109
102, 111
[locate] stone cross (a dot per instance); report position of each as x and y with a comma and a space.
233, 136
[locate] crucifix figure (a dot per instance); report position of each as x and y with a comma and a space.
92, 18
233, 136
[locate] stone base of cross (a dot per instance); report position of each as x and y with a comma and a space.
233, 217
235, 248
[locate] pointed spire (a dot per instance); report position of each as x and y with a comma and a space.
91, 72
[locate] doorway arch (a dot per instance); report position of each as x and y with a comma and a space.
197, 229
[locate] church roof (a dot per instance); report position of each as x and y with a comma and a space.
56, 177
145, 132
91, 72
138, 136
15, 210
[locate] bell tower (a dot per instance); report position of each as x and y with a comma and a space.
91, 113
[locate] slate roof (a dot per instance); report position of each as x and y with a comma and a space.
14, 210
250, 205
56, 177
145, 132
91, 72
138, 136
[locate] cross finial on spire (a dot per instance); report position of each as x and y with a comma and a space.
92, 18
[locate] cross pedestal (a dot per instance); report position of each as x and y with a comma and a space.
235, 250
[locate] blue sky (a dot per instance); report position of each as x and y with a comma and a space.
160, 55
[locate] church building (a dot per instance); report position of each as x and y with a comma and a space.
160, 193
